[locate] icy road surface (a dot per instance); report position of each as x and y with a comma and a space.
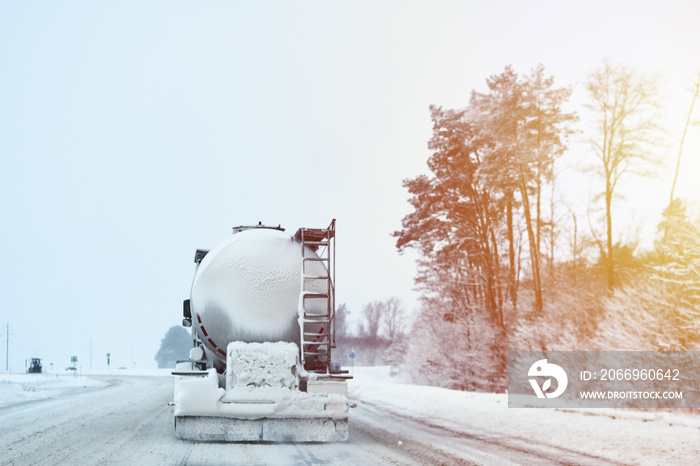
129, 422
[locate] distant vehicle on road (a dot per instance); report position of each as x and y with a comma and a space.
35, 366
71, 368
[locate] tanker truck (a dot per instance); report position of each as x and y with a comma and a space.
261, 310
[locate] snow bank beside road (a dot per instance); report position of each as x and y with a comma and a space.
136, 372
20, 388
650, 437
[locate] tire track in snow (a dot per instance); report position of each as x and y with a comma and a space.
481, 448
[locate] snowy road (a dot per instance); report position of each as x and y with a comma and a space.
129, 422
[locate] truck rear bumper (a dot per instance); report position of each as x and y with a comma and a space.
263, 399
223, 429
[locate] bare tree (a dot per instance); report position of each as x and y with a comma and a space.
696, 93
372, 316
575, 245
624, 103
394, 316
341, 317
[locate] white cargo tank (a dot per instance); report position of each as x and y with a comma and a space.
261, 310
247, 289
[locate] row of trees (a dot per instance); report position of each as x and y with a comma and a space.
378, 319
490, 161
379, 324
486, 226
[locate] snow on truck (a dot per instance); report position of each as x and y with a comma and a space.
262, 311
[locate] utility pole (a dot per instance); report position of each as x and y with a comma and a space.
7, 346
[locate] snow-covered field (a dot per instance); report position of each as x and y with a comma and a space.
630, 437
20, 388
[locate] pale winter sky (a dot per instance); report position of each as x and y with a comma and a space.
132, 133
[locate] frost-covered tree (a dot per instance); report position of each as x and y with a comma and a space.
457, 352
454, 224
661, 310
174, 346
455, 227
678, 271
489, 162
526, 128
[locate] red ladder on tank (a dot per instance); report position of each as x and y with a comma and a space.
317, 330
